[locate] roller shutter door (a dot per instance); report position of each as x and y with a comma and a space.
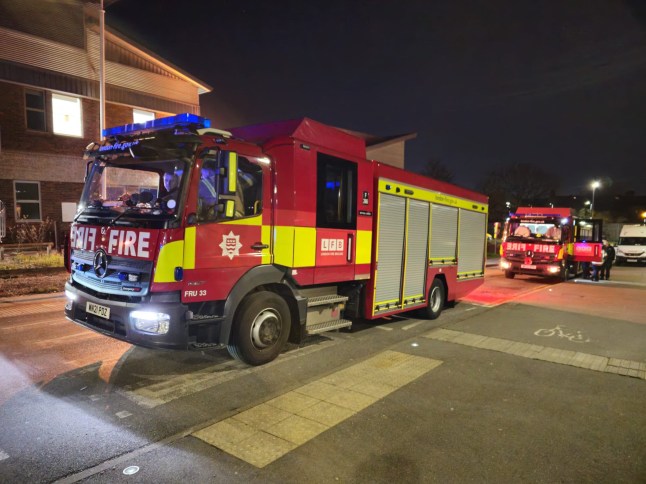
472, 242
392, 211
444, 233
416, 251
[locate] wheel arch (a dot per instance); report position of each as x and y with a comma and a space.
261, 278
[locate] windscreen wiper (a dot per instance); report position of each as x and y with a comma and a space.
127, 210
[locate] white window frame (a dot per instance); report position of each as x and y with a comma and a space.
74, 109
141, 116
19, 219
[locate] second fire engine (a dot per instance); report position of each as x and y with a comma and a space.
549, 241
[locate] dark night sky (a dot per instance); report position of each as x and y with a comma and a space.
556, 83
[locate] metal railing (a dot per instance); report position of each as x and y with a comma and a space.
3, 221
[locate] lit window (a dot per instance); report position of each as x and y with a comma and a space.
66, 113
35, 110
140, 116
27, 196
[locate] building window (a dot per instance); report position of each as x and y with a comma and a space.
35, 110
141, 116
27, 197
66, 114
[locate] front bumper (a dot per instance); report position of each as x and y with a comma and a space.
552, 269
119, 325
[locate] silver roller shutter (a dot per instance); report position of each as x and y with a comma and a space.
392, 211
472, 242
444, 232
416, 249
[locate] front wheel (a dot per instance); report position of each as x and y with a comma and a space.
509, 274
260, 328
435, 302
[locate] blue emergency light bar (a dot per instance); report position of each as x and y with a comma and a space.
178, 120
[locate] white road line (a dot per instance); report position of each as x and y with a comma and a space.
412, 325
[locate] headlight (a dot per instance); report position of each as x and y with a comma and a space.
70, 295
504, 264
553, 269
150, 322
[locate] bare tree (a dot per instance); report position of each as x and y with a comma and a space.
438, 170
515, 183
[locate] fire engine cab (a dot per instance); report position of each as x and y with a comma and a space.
193, 237
549, 241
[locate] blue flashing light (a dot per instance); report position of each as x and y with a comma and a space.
178, 120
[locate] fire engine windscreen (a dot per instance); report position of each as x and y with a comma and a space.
133, 190
532, 229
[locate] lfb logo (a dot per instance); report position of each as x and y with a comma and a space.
230, 245
331, 245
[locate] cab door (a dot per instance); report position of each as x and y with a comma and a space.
336, 219
232, 224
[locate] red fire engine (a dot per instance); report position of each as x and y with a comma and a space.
548, 241
191, 237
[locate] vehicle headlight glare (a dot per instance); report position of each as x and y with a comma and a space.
70, 295
150, 321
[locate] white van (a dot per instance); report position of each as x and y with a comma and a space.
632, 244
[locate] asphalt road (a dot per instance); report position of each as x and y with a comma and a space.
525, 381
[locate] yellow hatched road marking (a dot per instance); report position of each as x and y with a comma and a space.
268, 431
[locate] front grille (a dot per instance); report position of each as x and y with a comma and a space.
83, 274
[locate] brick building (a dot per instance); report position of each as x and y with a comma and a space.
49, 101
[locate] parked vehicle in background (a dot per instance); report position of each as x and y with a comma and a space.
632, 244
548, 241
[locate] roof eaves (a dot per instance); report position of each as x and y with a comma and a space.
119, 38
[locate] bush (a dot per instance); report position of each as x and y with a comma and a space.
26, 232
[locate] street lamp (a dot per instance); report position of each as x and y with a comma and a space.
595, 184
644, 217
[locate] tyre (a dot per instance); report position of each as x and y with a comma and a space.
509, 274
435, 302
260, 328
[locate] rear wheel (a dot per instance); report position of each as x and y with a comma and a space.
509, 274
435, 302
260, 328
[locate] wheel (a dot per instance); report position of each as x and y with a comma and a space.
260, 328
435, 302
509, 274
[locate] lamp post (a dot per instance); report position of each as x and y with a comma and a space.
587, 205
595, 184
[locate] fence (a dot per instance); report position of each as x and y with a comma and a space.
3, 221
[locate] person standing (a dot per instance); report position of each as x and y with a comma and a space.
607, 264
597, 267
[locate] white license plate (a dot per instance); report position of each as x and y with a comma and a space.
97, 310
527, 266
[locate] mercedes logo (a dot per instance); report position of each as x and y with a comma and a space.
100, 263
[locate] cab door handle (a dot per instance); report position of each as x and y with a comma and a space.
259, 246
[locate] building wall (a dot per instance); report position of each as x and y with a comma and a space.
392, 154
53, 47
